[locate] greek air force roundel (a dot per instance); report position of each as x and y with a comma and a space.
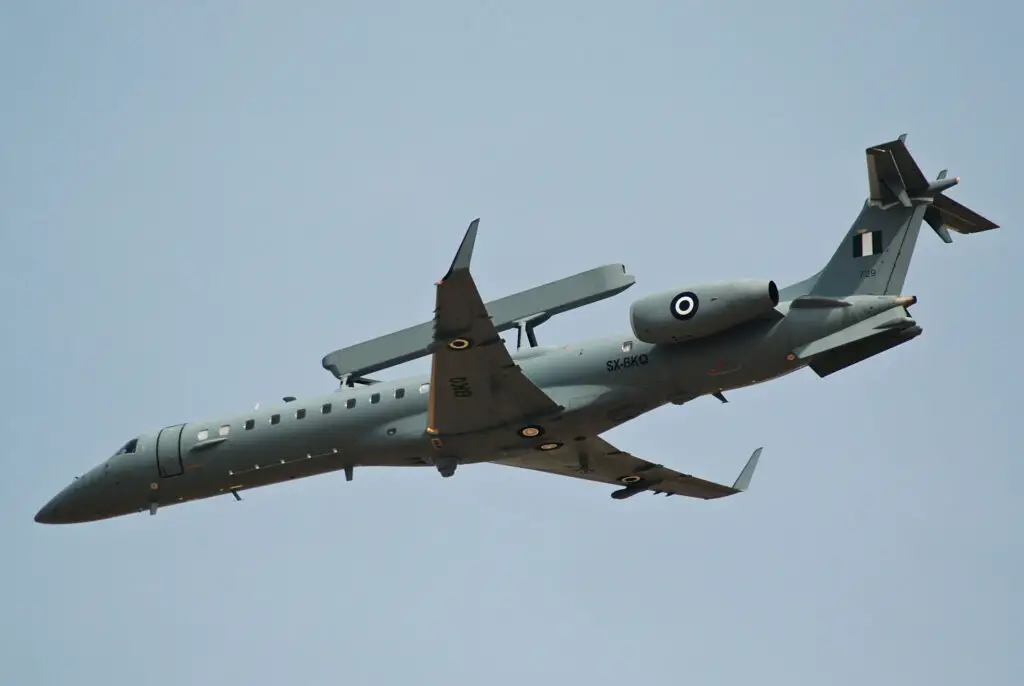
684, 305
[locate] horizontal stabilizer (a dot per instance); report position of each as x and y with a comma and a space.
840, 358
946, 213
894, 320
532, 305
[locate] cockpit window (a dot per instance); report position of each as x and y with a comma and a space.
128, 447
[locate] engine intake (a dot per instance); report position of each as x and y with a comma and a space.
685, 314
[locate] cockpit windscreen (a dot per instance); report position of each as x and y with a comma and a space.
128, 447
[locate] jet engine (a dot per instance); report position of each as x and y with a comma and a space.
687, 313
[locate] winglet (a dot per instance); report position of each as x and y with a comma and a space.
465, 253
743, 480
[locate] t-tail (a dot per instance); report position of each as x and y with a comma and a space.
874, 257
870, 267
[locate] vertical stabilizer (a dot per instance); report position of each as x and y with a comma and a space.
875, 255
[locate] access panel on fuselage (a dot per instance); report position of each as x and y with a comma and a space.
168, 451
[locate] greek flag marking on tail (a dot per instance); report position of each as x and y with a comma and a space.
867, 243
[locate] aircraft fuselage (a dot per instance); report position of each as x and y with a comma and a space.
600, 384
703, 339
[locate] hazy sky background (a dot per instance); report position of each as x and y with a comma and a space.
199, 200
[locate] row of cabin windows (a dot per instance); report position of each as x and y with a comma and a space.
301, 413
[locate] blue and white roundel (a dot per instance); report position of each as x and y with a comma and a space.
684, 305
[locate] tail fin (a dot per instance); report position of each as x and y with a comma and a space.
875, 255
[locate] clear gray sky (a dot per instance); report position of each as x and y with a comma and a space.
199, 200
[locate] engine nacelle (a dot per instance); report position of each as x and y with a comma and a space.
688, 313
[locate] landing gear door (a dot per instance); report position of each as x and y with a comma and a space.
168, 451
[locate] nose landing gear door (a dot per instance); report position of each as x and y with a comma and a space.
168, 451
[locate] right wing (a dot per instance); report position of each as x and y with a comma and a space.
474, 383
595, 459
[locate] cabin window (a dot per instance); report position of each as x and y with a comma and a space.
203, 435
350, 403
627, 346
249, 424
300, 413
399, 393
424, 388
375, 398
224, 430
326, 409
275, 419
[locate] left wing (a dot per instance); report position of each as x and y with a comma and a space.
474, 383
595, 459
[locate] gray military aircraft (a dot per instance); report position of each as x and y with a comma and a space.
544, 407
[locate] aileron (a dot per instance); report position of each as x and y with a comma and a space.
595, 459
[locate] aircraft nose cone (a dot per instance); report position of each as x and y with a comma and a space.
89, 497
71, 504
50, 513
